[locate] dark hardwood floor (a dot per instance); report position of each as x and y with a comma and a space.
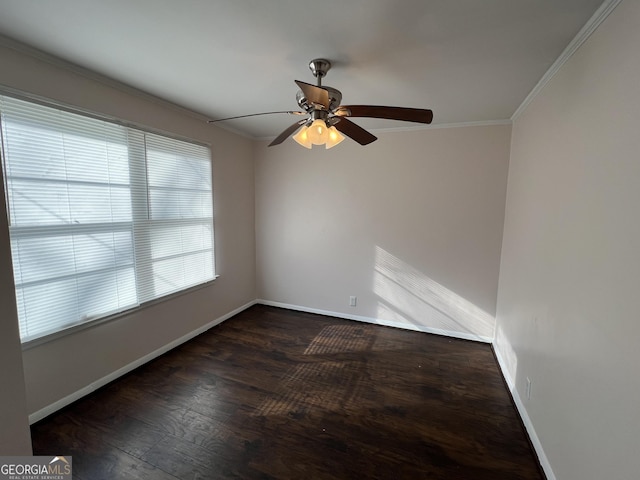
277, 394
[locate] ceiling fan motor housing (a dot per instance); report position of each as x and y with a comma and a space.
335, 97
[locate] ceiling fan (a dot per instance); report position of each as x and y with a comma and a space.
327, 120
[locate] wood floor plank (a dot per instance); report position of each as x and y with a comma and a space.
278, 394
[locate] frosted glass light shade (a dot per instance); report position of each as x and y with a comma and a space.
334, 138
302, 138
318, 132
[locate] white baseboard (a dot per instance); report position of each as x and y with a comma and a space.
63, 402
533, 436
377, 321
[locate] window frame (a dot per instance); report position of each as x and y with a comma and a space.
108, 226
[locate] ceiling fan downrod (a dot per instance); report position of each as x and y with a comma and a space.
319, 67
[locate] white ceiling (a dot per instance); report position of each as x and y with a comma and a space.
468, 60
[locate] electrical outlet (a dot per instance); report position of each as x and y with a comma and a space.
352, 301
528, 389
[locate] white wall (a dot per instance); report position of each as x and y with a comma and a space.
64, 366
411, 225
568, 297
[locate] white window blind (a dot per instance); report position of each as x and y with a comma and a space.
102, 217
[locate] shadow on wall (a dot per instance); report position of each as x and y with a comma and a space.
408, 296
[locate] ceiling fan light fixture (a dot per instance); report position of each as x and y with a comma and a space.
322, 105
302, 137
318, 132
335, 137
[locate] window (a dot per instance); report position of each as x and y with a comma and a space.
102, 217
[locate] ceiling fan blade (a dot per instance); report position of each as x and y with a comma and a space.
317, 95
418, 115
290, 112
284, 135
356, 132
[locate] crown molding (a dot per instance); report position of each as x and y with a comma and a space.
481, 123
585, 32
